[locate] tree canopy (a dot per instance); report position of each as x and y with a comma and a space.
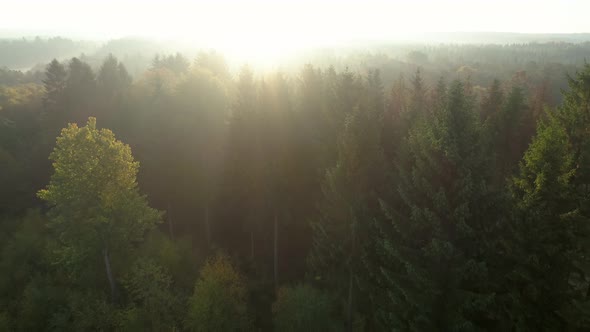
403, 188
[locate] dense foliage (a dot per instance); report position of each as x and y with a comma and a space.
445, 190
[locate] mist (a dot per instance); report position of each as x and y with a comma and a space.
294, 166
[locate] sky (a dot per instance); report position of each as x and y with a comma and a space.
264, 25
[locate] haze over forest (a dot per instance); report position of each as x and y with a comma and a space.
295, 165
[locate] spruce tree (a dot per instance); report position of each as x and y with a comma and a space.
394, 119
246, 186
417, 103
552, 197
345, 226
79, 92
438, 96
491, 103
376, 98
511, 139
112, 78
54, 82
435, 243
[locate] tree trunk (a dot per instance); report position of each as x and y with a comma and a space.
170, 225
207, 227
107, 263
351, 273
350, 298
276, 252
252, 245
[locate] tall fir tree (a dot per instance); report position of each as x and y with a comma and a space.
345, 225
394, 119
79, 92
552, 197
492, 101
112, 78
511, 137
417, 103
54, 83
245, 184
436, 241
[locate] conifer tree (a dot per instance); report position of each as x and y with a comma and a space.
246, 168
79, 92
112, 78
347, 211
491, 103
394, 119
199, 118
438, 96
436, 240
376, 98
54, 82
417, 102
553, 221
398, 100
511, 137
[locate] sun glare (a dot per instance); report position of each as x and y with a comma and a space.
263, 32
260, 33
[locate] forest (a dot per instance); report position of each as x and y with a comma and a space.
434, 187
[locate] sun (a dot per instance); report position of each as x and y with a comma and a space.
260, 51
260, 33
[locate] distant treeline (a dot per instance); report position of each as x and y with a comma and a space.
26, 53
497, 55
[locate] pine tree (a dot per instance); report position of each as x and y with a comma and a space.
438, 96
55, 83
279, 153
313, 114
511, 137
349, 90
394, 119
417, 103
245, 185
199, 117
344, 91
435, 243
79, 92
112, 78
553, 203
343, 230
398, 102
376, 98
492, 102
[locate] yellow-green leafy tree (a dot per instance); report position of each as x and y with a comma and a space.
219, 302
96, 210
